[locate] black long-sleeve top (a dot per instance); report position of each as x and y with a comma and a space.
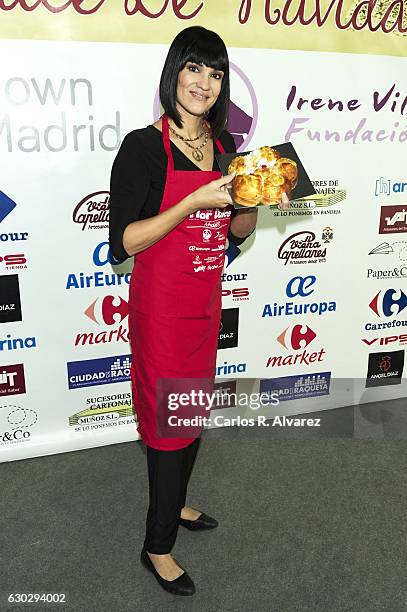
138, 179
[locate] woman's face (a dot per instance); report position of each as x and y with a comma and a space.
198, 88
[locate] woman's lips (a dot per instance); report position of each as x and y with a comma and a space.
199, 96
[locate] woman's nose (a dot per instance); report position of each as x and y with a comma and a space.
203, 81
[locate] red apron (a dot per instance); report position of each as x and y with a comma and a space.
175, 303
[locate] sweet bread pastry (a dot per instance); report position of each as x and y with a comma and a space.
247, 189
262, 176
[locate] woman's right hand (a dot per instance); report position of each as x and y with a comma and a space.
212, 195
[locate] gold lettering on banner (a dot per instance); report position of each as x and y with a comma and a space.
386, 16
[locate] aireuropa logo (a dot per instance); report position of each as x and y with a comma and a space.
92, 212
15, 424
243, 108
387, 186
6, 205
297, 387
104, 371
101, 257
393, 219
110, 310
301, 287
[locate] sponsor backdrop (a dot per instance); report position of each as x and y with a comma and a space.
314, 305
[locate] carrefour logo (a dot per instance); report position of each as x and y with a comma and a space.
108, 310
388, 303
6, 205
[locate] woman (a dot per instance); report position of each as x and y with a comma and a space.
166, 197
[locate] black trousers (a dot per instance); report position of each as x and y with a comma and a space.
168, 476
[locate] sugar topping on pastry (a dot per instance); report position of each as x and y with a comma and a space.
261, 177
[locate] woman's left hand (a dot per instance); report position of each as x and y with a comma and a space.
285, 202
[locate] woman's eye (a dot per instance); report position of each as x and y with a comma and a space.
217, 75
193, 68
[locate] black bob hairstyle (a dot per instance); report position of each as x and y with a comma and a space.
200, 46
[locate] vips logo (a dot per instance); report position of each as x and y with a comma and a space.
296, 338
385, 369
393, 219
104, 411
237, 293
109, 310
13, 262
229, 328
389, 303
297, 387
386, 340
15, 424
10, 304
12, 380
225, 394
102, 371
243, 108
386, 187
298, 286
6, 205
92, 212
304, 248
101, 257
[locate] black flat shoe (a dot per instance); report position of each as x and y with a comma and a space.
202, 522
182, 585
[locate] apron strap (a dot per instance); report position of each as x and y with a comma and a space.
219, 145
167, 144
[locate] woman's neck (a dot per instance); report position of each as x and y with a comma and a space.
192, 125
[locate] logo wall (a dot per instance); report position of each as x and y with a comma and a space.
10, 304
110, 310
385, 368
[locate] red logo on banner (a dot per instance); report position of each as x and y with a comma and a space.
107, 311
12, 381
393, 219
296, 337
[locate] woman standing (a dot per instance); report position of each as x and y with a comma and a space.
163, 178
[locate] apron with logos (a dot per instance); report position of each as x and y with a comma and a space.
175, 307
